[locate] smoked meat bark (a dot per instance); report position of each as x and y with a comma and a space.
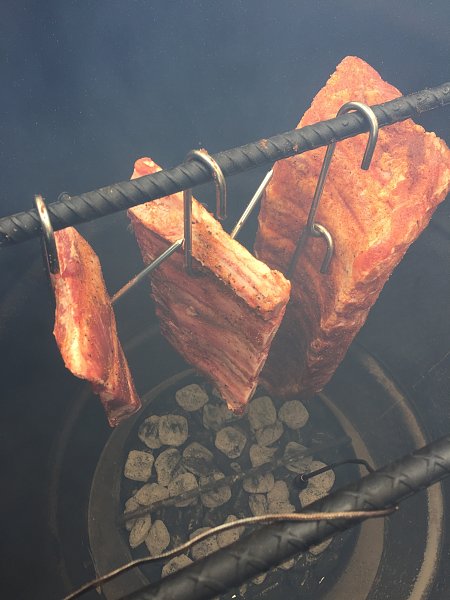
372, 215
222, 318
85, 327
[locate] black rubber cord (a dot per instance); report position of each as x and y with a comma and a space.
98, 203
301, 481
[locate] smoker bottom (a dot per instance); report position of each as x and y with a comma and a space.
364, 401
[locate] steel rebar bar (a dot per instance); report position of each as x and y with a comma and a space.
107, 200
273, 544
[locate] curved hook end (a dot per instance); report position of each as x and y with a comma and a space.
48, 235
371, 118
322, 231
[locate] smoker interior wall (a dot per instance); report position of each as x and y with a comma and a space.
87, 87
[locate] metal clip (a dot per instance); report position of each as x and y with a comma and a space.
315, 229
221, 201
48, 236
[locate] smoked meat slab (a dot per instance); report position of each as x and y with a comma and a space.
223, 317
85, 327
372, 215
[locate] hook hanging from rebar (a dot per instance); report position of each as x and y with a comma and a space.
48, 236
221, 213
312, 228
221, 201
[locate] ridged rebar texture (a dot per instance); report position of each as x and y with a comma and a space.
91, 205
273, 544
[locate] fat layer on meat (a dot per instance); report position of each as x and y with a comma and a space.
372, 215
222, 318
85, 327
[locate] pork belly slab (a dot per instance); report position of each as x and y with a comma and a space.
222, 318
372, 215
85, 327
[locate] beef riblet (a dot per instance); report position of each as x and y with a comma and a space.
372, 215
222, 318
85, 327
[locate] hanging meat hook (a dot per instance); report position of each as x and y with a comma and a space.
221, 213
48, 236
312, 228
251, 205
148, 269
221, 201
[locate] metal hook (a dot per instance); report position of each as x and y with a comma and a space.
148, 269
48, 235
221, 209
251, 205
221, 201
315, 229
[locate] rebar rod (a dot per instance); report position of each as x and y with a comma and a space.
107, 200
273, 544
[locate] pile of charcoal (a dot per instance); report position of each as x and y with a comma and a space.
201, 465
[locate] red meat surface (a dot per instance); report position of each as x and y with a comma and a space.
85, 327
372, 215
223, 317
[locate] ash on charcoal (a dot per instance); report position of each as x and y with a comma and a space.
278, 499
206, 546
175, 564
158, 538
293, 414
148, 432
130, 505
215, 497
138, 466
259, 579
288, 564
318, 486
270, 434
197, 459
261, 412
168, 465
173, 430
319, 548
140, 530
225, 538
297, 463
279, 492
151, 493
258, 484
215, 416
231, 441
182, 484
281, 507
259, 455
258, 504
191, 397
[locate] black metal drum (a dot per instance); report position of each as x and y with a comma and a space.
88, 88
